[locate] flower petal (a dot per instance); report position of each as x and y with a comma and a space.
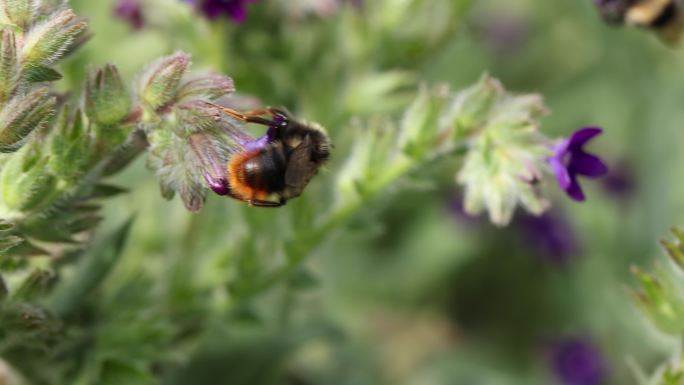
586, 164
237, 12
561, 173
574, 191
582, 136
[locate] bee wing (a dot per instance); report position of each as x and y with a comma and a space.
300, 168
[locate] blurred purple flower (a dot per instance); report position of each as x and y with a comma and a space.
620, 182
569, 160
577, 361
551, 235
236, 10
131, 12
613, 11
505, 33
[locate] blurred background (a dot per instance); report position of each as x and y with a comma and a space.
412, 290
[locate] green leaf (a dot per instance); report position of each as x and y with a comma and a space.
8, 242
304, 279
3, 289
93, 268
26, 249
38, 73
107, 190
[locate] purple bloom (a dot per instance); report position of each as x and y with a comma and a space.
551, 235
620, 181
131, 12
504, 32
236, 10
576, 361
569, 160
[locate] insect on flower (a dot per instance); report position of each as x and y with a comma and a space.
268, 171
661, 16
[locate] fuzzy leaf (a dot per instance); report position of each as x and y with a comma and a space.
38, 74
22, 115
9, 64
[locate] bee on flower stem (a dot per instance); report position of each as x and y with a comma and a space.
266, 172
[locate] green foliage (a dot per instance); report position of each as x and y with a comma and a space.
351, 283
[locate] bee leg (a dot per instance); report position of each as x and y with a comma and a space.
260, 203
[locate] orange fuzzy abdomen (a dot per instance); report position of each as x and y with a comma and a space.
241, 182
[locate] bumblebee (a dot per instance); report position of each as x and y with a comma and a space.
269, 171
661, 16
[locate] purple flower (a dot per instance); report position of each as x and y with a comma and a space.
569, 160
620, 182
576, 361
506, 33
551, 235
236, 10
131, 12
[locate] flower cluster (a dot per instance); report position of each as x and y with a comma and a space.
506, 152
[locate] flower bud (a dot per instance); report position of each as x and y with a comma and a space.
107, 102
420, 125
206, 87
36, 284
25, 182
68, 146
9, 66
371, 156
471, 108
34, 326
159, 84
47, 41
21, 115
18, 12
194, 116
